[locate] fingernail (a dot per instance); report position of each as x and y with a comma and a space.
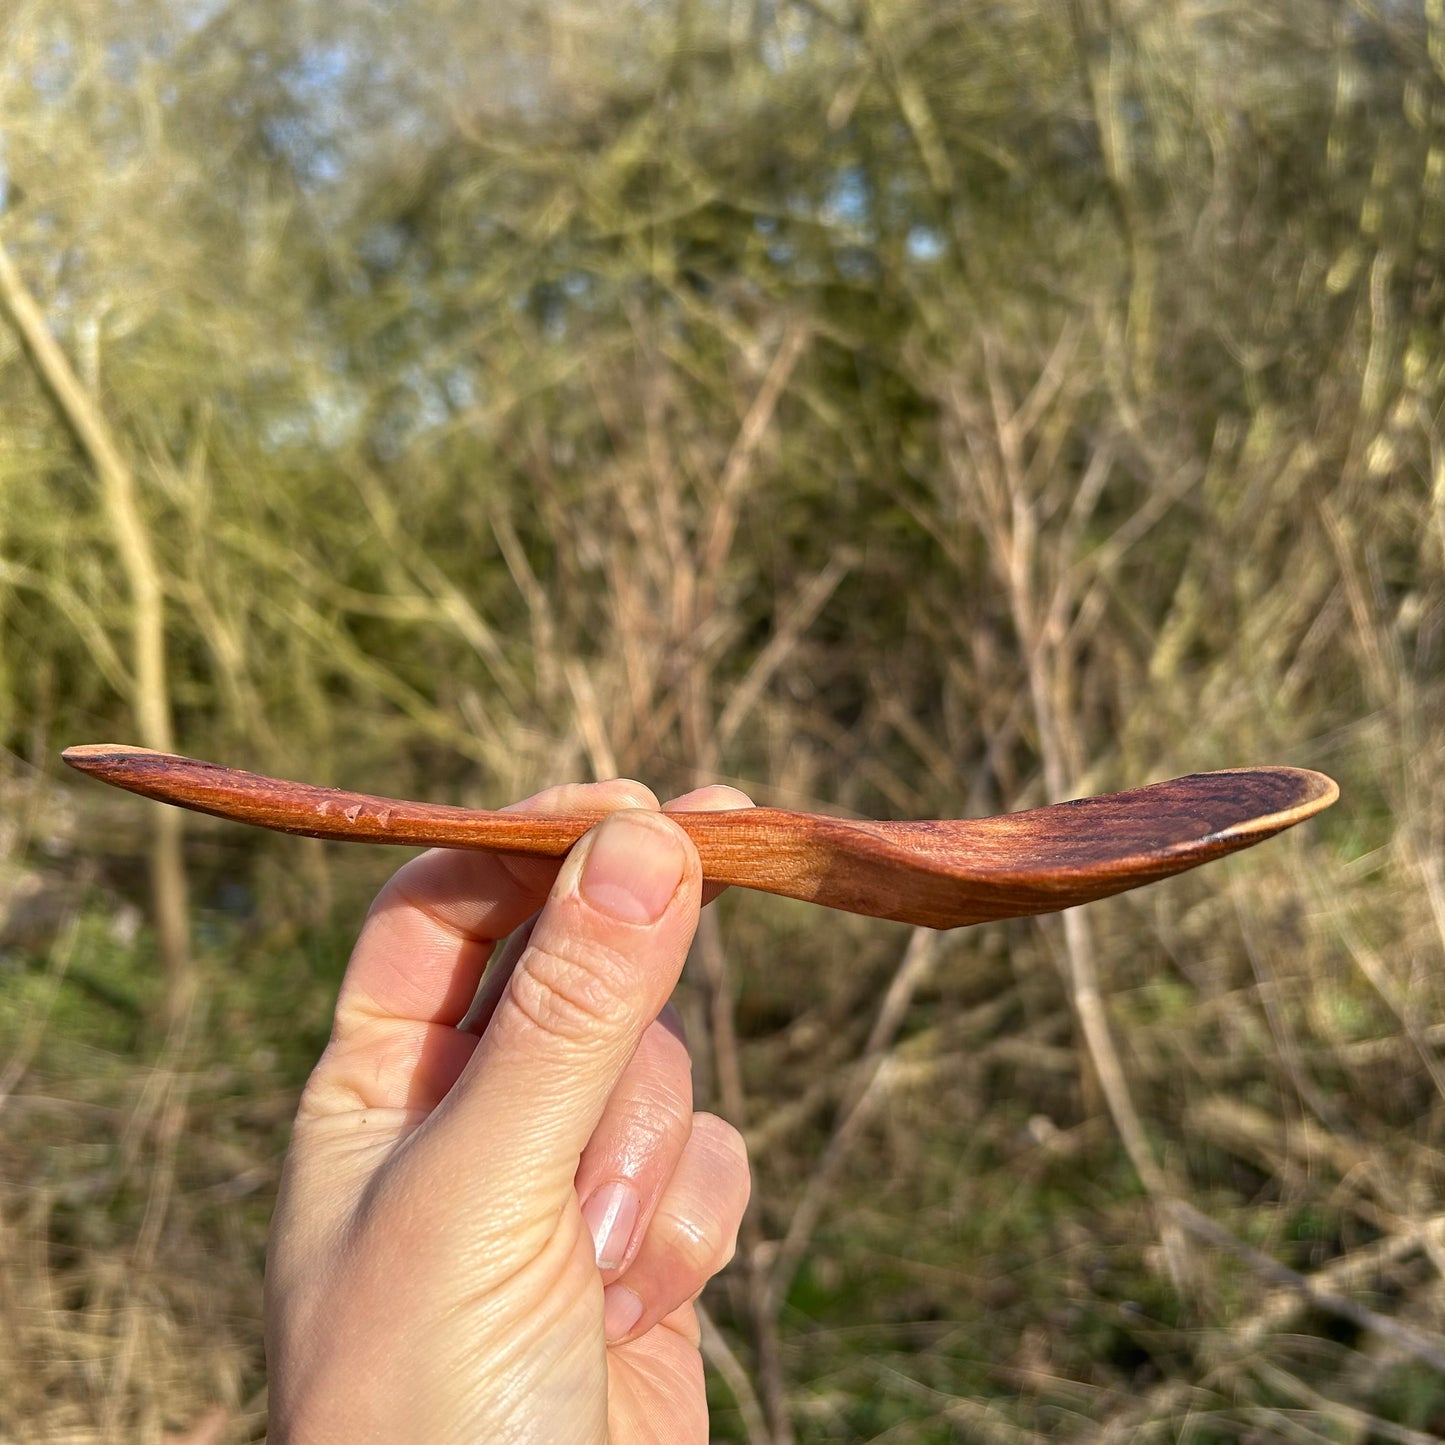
621, 1309
633, 867
611, 1213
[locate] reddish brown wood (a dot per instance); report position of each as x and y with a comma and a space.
940, 874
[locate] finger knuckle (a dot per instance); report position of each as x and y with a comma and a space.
694, 1243
696, 1250
653, 1116
721, 1139
572, 995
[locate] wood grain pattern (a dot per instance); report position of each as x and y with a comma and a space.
944, 873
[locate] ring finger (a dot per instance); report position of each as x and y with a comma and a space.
691, 1234
637, 1144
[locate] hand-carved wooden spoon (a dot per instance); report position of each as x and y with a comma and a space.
938, 874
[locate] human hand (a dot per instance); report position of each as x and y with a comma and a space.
432, 1273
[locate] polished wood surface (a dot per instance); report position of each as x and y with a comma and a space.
940, 874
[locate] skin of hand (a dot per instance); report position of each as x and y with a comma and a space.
499, 1205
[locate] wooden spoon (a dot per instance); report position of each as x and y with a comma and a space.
938, 874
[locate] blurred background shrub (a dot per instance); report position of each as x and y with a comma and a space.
898, 407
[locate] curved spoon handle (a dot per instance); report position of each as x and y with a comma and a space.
315, 812
942, 874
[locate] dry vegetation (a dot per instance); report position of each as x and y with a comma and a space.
891, 406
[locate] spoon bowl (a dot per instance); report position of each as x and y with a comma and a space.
944, 873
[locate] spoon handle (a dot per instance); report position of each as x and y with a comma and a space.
941, 874
331, 813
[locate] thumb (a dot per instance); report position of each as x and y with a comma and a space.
603, 957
